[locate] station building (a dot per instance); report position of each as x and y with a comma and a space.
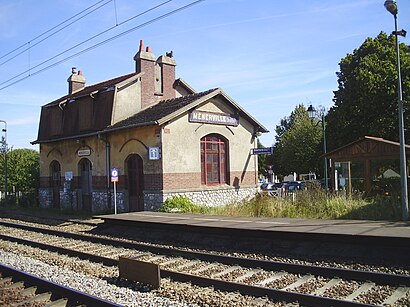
164, 138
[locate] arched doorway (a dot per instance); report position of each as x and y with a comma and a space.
55, 182
85, 181
135, 182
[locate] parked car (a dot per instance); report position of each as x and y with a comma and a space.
294, 186
271, 188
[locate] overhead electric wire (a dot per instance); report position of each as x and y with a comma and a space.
52, 34
103, 42
61, 23
85, 41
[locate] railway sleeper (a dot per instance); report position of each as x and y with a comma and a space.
327, 286
362, 289
225, 272
62, 302
5, 281
248, 274
398, 294
205, 268
270, 279
299, 282
39, 298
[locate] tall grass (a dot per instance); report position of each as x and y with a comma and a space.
315, 204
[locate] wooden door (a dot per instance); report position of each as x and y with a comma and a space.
135, 183
85, 172
55, 175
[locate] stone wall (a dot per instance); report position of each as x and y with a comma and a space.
45, 197
152, 200
211, 198
122, 202
69, 200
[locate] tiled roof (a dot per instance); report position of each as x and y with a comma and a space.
160, 110
92, 88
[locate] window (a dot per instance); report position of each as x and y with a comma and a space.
213, 160
55, 173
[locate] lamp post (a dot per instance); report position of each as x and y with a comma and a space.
4, 142
311, 113
391, 6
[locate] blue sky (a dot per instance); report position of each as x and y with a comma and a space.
268, 55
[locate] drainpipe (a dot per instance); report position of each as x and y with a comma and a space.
107, 168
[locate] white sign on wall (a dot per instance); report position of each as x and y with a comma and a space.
154, 153
84, 152
68, 175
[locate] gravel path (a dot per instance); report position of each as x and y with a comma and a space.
97, 279
84, 283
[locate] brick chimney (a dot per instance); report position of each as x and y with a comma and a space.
167, 69
145, 63
76, 81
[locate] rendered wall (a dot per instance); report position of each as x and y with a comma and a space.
182, 156
127, 102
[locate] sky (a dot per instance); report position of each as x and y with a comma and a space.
267, 55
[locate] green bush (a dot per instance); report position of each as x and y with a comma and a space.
181, 205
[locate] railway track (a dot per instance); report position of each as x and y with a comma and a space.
18, 288
307, 284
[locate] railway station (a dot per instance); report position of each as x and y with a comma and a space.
164, 138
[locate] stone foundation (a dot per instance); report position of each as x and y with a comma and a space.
153, 200
211, 198
45, 197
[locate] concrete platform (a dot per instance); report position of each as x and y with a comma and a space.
356, 228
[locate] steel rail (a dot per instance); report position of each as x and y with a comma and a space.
274, 294
58, 291
380, 278
68, 220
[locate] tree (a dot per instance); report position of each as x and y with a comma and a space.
298, 144
366, 100
261, 160
23, 172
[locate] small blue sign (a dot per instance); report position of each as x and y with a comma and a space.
262, 151
114, 174
154, 153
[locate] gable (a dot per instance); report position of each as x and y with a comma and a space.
218, 105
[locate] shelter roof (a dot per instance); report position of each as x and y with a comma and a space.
368, 147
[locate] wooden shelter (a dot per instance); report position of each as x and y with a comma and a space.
365, 150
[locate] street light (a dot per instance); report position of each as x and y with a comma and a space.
4, 141
312, 115
391, 6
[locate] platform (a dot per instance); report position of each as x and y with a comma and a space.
306, 226
389, 242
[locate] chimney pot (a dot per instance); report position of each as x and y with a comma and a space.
76, 81
141, 45
148, 49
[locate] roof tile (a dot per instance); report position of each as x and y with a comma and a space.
160, 110
91, 88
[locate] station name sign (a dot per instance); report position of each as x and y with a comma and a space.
262, 151
84, 152
213, 118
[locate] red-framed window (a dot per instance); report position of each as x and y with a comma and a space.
213, 160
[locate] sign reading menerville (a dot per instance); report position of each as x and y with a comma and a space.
213, 118
262, 151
